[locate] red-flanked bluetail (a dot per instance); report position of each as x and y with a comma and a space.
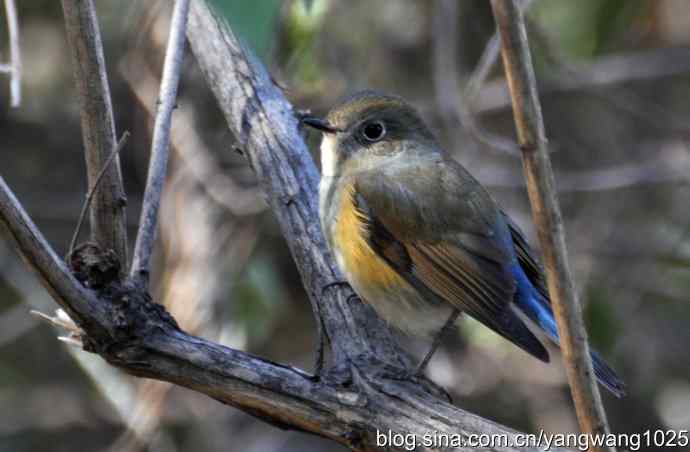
418, 238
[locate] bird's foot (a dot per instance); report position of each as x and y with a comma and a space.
386, 376
420, 380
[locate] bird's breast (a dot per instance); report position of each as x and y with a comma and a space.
355, 255
374, 280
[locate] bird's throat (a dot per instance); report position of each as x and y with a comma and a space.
329, 156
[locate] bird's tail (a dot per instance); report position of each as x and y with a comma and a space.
540, 312
607, 376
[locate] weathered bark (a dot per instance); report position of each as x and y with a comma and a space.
107, 215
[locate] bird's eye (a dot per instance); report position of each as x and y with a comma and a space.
373, 131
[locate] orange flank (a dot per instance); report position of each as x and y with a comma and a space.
361, 263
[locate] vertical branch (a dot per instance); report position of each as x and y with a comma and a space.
107, 216
161, 142
15, 55
547, 216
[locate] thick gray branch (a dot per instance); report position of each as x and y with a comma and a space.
108, 221
267, 130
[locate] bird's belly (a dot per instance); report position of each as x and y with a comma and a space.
396, 301
378, 284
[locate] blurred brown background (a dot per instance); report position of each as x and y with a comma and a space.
615, 87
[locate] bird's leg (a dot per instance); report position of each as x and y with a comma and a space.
437, 340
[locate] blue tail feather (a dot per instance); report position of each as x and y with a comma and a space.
538, 309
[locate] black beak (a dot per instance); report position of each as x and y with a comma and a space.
319, 124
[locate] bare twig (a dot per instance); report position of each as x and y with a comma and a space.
547, 216
15, 65
665, 168
92, 192
639, 66
186, 142
107, 217
481, 72
486, 62
161, 142
563, 72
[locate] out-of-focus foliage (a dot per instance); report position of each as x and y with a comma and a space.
620, 152
590, 27
254, 21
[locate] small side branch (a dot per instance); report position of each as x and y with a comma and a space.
481, 72
107, 216
89, 195
486, 63
15, 66
161, 142
647, 66
547, 216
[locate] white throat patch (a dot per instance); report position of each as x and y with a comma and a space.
329, 158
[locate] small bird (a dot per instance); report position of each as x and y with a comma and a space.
419, 239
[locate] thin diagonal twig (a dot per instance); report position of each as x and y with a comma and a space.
481, 72
92, 191
160, 143
486, 62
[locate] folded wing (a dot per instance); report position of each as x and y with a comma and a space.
459, 257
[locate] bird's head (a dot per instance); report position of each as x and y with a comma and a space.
367, 128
